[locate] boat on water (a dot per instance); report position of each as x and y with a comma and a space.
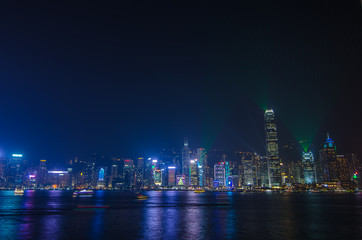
199, 191
142, 197
19, 191
84, 192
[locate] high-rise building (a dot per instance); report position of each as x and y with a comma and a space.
264, 171
171, 176
343, 172
271, 139
14, 170
129, 173
114, 174
328, 161
148, 173
42, 172
186, 157
309, 170
141, 163
101, 178
249, 169
193, 176
202, 164
158, 177
220, 174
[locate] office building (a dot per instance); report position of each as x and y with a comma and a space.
328, 161
309, 170
271, 139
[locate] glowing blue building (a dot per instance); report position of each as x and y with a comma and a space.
309, 169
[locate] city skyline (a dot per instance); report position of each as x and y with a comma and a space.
190, 168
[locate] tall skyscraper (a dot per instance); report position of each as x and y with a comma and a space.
220, 174
202, 164
186, 157
309, 168
271, 139
158, 178
193, 176
171, 176
343, 172
101, 178
249, 169
328, 161
42, 172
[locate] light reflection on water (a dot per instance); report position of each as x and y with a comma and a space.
179, 215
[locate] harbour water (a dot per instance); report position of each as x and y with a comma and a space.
180, 215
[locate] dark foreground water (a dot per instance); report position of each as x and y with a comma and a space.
180, 215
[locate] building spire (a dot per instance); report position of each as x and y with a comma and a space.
327, 135
186, 142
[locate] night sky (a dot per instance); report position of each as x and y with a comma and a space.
134, 77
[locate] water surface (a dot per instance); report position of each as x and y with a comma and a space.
180, 215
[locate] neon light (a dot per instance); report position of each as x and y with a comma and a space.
31, 176
154, 161
17, 155
171, 167
101, 174
58, 172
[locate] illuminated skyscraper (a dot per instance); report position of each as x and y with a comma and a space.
15, 170
271, 139
328, 160
309, 168
202, 164
101, 178
249, 169
186, 157
141, 163
114, 174
42, 172
171, 176
129, 173
220, 174
158, 177
193, 176
343, 172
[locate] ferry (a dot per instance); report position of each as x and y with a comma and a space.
84, 192
199, 191
19, 191
142, 197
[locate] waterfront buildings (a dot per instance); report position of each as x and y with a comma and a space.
193, 168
